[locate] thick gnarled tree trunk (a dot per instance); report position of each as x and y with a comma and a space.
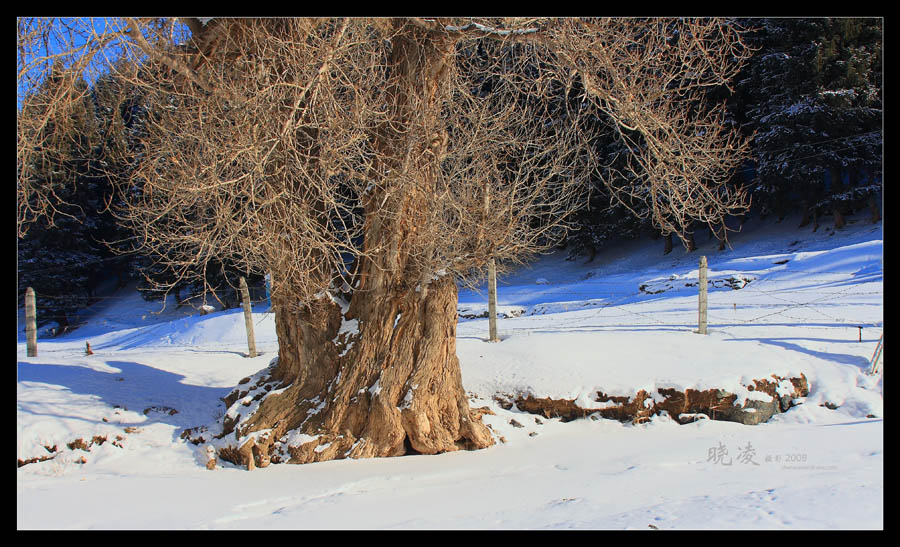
385, 383
378, 377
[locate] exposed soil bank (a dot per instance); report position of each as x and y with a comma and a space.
772, 396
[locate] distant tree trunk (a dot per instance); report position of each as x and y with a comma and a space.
837, 190
689, 243
807, 216
839, 220
874, 209
720, 237
63, 321
120, 279
781, 206
668, 244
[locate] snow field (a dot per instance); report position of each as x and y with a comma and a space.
571, 329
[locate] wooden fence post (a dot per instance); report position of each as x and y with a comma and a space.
248, 318
492, 301
701, 326
30, 322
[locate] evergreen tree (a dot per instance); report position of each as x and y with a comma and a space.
812, 94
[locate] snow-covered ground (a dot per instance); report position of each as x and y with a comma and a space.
624, 322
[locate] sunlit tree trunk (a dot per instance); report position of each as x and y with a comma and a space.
380, 376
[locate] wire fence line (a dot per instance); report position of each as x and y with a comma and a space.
595, 300
688, 317
751, 284
786, 302
606, 307
631, 316
589, 295
269, 349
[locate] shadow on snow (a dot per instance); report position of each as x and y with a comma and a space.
133, 387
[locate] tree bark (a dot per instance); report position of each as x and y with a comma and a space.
385, 383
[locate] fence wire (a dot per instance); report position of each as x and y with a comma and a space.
609, 310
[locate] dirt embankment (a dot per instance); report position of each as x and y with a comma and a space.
683, 406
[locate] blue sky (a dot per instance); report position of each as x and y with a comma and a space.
67, 33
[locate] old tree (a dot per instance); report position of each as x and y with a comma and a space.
370, 166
